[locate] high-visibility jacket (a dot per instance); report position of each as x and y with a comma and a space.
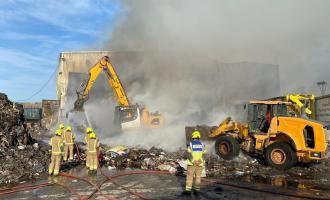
92, 145
56, 143
68, 137
196, 148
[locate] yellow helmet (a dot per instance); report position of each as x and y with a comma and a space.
89, 130
61, 126
196, 135
58, 132
68, 128
92, 135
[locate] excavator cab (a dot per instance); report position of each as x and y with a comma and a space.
127, 117
132, 117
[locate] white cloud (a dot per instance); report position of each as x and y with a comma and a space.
23, 60
70, 15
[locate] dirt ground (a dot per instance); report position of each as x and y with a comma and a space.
168, 186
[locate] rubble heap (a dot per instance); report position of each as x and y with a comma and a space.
152, 159
38, 132
12, 129
21, 157
157, 159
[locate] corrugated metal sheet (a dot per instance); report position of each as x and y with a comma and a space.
322, 105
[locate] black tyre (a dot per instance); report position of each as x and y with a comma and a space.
261, 161
280, 155
227, 147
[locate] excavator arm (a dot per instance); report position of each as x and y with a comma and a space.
113, 80
126, 115
298, 99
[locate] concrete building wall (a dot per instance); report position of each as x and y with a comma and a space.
77, 62
227, 82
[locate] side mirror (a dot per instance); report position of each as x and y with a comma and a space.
244, 106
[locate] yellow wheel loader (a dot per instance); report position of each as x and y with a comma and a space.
127, 116
269, 135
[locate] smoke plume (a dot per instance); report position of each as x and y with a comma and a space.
195, 60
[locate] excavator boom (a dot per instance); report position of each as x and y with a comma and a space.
113, 80
127, 116
297, 99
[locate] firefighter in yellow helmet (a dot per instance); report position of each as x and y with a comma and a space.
86, 140
195, 163
61, 127
68, 140
56, 144
92, 152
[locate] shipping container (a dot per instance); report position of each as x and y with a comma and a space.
32, 114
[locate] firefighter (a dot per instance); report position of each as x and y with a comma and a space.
61, 127
56, 144
88, 132
68, 139
195, 163
92, 148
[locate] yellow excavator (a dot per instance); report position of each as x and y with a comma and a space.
127, 116
271, 135
303, 105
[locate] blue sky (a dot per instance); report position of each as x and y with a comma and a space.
34, 32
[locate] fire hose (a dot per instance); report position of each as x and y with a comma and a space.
87, 181
78, 152
109, 178
125, 188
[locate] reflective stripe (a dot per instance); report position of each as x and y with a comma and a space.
92, 145
196, 145
188, 188
196, 188
56, 143
196, 148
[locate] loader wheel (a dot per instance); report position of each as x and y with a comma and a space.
227, 147
280, 155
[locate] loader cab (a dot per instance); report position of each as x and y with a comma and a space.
264, 109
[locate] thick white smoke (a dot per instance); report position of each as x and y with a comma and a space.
177, 52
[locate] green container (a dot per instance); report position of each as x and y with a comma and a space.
33, 113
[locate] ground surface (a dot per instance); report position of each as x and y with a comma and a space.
167, 186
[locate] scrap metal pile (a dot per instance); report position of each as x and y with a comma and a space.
152, 159
174, 162
21, 157
243, 167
